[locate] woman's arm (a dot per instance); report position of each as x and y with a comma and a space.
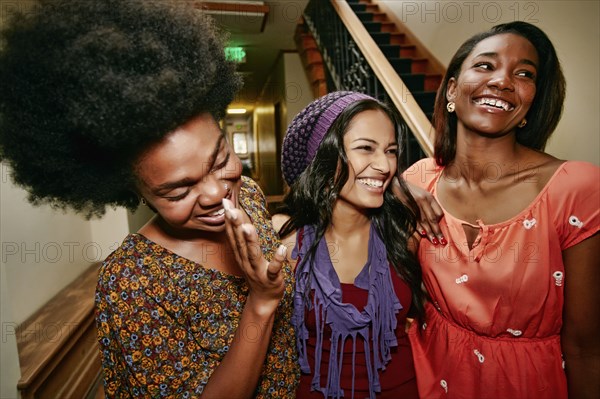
239, 371
581, 318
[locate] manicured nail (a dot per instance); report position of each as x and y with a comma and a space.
247, 229
282, 250
423, 233
434, 241
227, 205
443, 241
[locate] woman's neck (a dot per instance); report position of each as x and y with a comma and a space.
347, 221
481, 158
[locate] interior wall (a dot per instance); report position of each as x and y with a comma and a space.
572, 25
288, 86
43, 250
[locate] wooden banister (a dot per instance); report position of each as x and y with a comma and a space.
396, 89
58, 349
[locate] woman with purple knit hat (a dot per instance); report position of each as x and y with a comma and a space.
356, 279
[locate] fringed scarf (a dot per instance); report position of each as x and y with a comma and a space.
376, 324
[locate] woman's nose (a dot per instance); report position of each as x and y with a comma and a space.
381, 162
212, 191
502, 80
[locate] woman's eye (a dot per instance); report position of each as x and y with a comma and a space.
220, 163
365, 148
393, 151
178, 197
483, 65
526, 74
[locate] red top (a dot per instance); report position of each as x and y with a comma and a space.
397, 381
493, 327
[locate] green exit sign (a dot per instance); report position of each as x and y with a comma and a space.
235, 54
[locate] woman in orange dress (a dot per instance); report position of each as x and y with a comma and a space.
513, 274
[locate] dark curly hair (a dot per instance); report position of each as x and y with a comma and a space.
88, 85
311, 198
547, 105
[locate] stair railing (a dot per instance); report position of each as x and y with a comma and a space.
355, 62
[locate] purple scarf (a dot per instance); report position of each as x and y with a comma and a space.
376, 324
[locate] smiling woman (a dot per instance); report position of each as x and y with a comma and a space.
122, 108
514, 290
356, 280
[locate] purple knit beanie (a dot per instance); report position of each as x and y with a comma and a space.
305, 133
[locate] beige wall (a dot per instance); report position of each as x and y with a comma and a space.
288, 86
573, 27
43, 250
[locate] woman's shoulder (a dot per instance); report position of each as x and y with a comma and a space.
249, 186
422, 172
131, 256
576, 176
279, 219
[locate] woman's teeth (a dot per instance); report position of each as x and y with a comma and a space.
371, 182
494, 103
218, 213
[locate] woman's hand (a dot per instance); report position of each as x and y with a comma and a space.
264, 278
431, 212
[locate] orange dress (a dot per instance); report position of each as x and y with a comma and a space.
492, 329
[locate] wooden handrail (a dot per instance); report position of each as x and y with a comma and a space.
58, 350
396, 89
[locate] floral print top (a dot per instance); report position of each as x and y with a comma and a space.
166, 322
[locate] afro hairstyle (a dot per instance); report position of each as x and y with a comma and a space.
88, 85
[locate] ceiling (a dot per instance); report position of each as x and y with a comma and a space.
264, 29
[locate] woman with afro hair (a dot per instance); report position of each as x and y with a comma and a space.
116, 103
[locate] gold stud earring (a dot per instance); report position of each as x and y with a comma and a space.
143, 201
450, 106
522, 123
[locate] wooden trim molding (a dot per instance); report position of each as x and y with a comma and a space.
240, 8
398, 92
58, 349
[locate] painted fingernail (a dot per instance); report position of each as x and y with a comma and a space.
247, 229
443, 241
282, 250
227, 205
434, 241
423, 233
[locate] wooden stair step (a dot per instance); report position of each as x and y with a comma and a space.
312, 56
316, 71
401, 65
414, 82
306, 41
360, 7
425, 99
381, 37
372, 27
419, 65
432, 82
388, 38
398, 50
366, 16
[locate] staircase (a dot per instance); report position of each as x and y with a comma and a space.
402, 55
311, 59
353, 45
